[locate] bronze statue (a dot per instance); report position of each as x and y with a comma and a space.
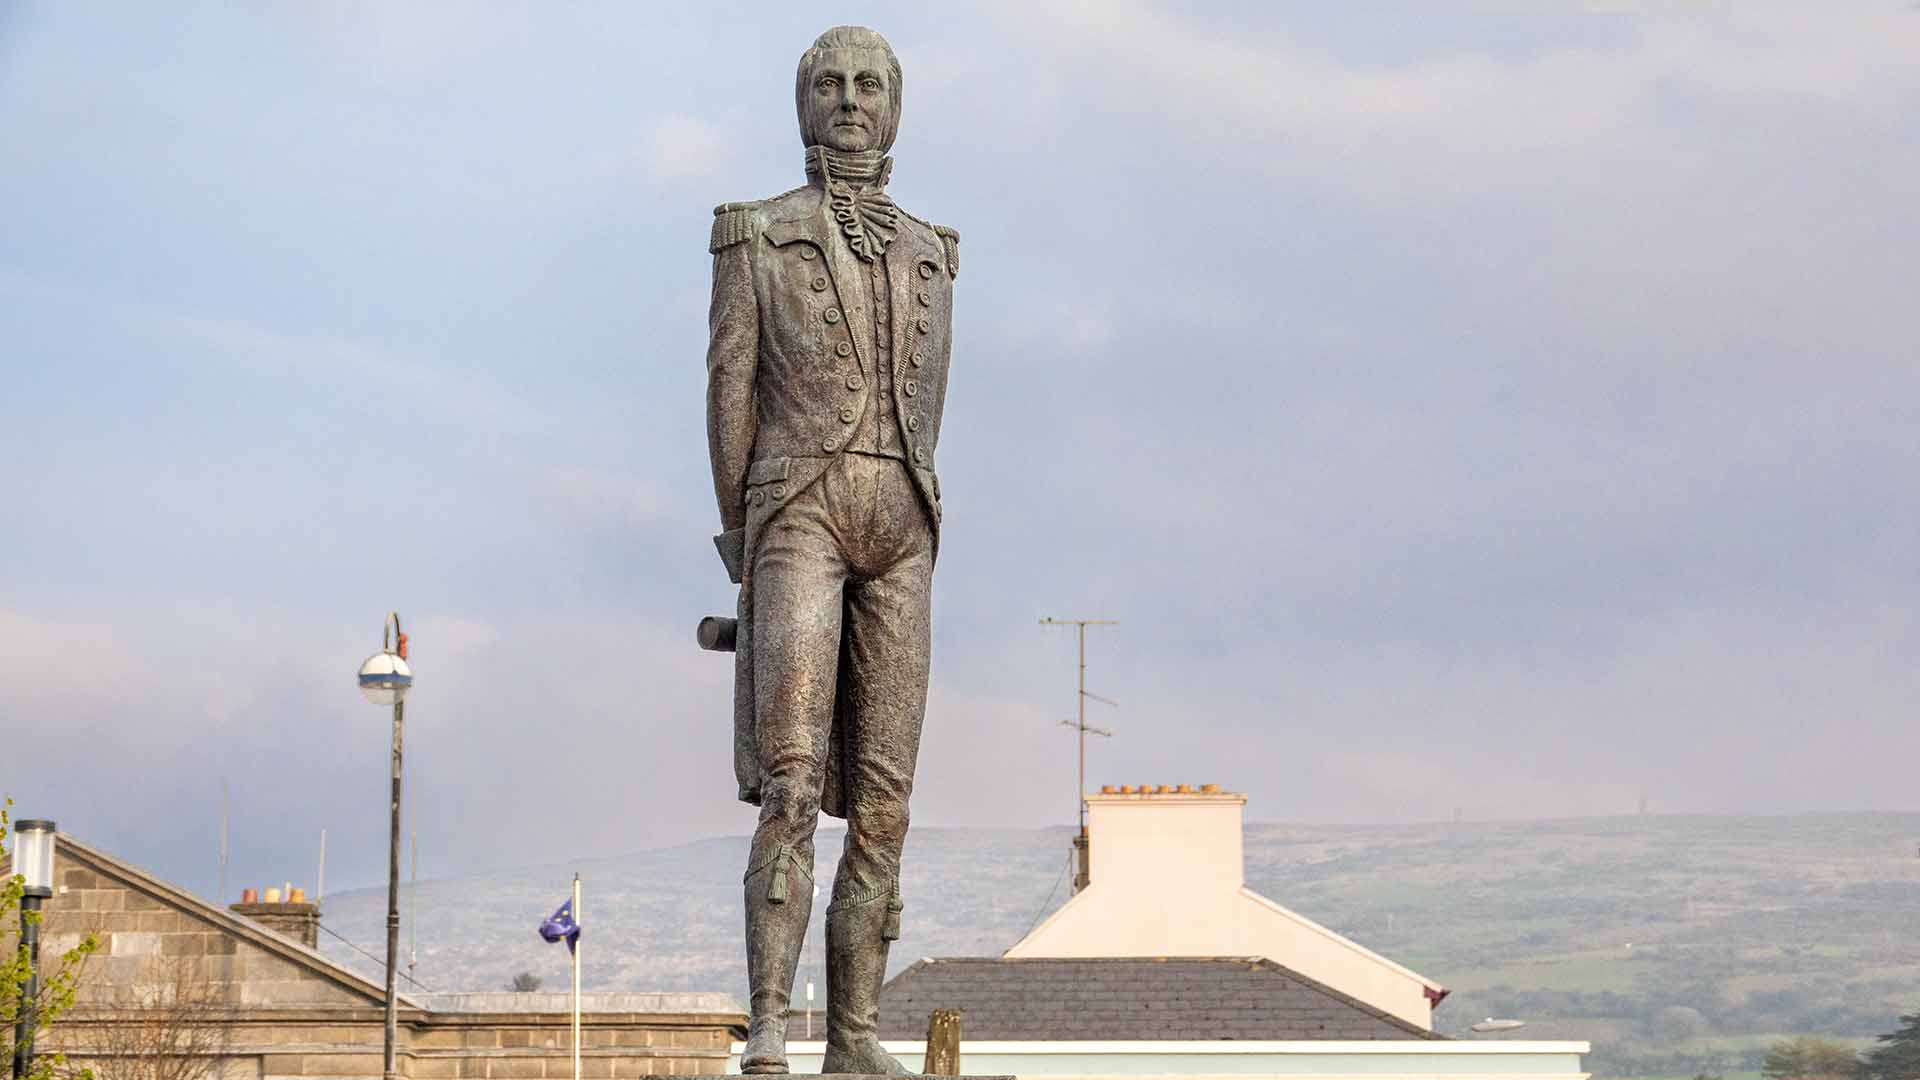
826, 373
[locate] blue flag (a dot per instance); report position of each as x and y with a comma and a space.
560, 924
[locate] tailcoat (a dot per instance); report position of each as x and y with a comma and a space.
790, 375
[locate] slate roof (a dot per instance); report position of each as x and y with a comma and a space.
1169, 998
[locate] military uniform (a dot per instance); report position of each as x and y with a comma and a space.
827, 371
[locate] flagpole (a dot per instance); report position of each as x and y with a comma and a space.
576, 979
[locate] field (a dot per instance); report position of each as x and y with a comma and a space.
1675, 944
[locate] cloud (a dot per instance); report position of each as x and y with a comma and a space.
679, 149
1504, 412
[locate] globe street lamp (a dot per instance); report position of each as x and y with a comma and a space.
385, 679
33, 861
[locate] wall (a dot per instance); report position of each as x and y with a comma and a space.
1293, 1060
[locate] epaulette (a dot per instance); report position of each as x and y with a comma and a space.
732, 223
950, 239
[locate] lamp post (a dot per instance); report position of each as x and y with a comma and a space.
32, 860
385, 679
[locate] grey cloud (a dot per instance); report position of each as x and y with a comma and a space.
1516, 417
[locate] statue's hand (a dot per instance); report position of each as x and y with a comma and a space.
732, 546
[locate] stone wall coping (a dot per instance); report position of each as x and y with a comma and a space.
588, 1020
692, 1003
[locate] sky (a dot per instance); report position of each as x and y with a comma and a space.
1462, 410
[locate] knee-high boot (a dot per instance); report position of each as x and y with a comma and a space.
857, 935
779, 900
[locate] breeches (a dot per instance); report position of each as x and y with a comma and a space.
842, 581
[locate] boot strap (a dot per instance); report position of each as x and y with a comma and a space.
781, 861
891, 931
890, 927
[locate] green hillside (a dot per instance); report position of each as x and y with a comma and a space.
1674, 944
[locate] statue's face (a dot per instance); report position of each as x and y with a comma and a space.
850, 104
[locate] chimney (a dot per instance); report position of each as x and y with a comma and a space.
1163, 838
287, 913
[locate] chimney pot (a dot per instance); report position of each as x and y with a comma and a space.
291, 915
1210, 789
1186, 789
249, 896
1106, 789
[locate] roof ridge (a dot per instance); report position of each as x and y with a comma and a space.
253, 932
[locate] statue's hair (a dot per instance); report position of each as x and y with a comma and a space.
846, 37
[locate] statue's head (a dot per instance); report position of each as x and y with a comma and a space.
848, 91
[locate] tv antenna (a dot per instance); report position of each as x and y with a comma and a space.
1080, 723
413, 911
226, 813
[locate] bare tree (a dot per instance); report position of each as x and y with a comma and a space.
525, 983
173, 1023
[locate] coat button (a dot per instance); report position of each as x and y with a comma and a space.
779, 491
828, 445
832, 316
911, 388
846, 414
854, 382
844, 349
920, 453
926, 298
923, 325
808, 253
918, 359
913, 423
758, 497
926, 270
819, 284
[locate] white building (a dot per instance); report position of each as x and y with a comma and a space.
1165, 874
1166, 964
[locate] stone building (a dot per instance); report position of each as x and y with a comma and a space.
284, 1010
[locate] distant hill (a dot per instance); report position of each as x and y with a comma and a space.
1673, 943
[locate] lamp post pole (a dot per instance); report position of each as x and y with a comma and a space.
393, 890
29, 994
385, 679
32, 860
29, 942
